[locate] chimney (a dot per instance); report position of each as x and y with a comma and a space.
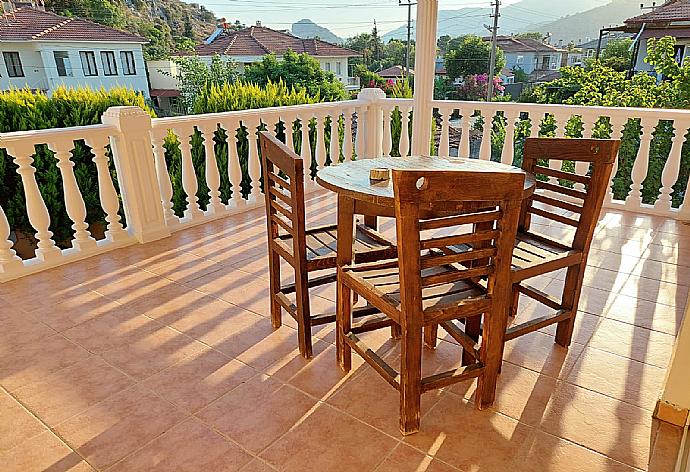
258, 23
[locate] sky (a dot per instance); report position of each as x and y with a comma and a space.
345, 18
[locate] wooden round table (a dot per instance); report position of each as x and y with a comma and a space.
357, 194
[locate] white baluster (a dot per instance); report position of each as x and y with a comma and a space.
305, 150
36, 208
253, 164
387, 138
405, 143
74, 201
557, 164
234, 167
617, 128
359, 137
212, 175
563, 119
335, 139
347, 138
485, 148
581, 168
508, 151
672, 168
164, 182
639, 170
320, 143
289, 122
464, 146
535, 125
9, 261
444, 143
106, 189
189, 182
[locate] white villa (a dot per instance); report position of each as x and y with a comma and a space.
42, 51
249, 45
535, 58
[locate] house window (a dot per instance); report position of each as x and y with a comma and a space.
109, 64
128, 65
64, 67
13, 64
339, 68
545, 61
328, 67
88, 63
520, 59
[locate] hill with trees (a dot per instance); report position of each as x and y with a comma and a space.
169, 25
307, 29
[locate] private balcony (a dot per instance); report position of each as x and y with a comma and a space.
150, 346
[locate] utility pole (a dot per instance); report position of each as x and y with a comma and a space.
494, 41
409, 6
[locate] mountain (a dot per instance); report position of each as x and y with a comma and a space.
525, 15
307, 29
584, 26
169, 25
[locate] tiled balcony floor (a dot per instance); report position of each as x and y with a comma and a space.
162, 357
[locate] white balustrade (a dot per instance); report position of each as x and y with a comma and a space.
444, 140
465, 127
348, 138
9, 261
485, 147
335, 139
639, 170
320, 141
508, 152
164, 183
669, 176
253, 162
74, 201
405, 142
617, 128
189, 180
212, 174
234, 169
387, 136
106, 189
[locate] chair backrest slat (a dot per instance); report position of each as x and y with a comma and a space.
283, 179
567, 197
485, 223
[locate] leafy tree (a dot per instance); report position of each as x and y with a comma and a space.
394, 53
536, 35
300, 71
470, 55
520, 75
194, 75
370, 46
442, 44
617, 55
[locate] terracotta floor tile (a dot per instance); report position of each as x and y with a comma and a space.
407, 459
34, 362
458, 434
346, 444
112, 429
20, 328
161, 297
153, 353
111, 330
237, 287
521, 393
188, 447
257, 466
640, 344
17, 425
257, 412
646, 314
655, 290
616, 429
546, 453
539, 352
666, 448
367, 396
44, 452
261, 345
40, 290
197, 380
618, 377
72, 390
181, 266
131, 286
83, 307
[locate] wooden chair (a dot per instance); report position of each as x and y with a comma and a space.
306, 250
425, 286
573, 199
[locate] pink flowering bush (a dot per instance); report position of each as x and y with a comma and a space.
475, 87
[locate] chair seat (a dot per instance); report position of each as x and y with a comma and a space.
442, 301
322, 246
535, 254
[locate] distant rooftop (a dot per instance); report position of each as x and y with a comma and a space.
394, 72
30, 24
512, 44
669, 12
260, 40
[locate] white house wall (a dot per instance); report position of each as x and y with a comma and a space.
40, 70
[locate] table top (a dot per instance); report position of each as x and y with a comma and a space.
352, 178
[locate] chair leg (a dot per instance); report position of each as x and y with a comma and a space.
571, 298
303, 313
431, 336
491, 355
396, 331
274, 277
473, 328
343, 324
410, 380
515, 301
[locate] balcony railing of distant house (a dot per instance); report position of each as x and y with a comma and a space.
217, 158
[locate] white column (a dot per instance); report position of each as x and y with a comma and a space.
424, 72
136, 171
371, 122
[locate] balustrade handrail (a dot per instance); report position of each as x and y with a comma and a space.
39, 136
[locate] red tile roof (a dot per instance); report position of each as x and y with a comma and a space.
393, 72
512, 44
29, 24
259, 40
673, 10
